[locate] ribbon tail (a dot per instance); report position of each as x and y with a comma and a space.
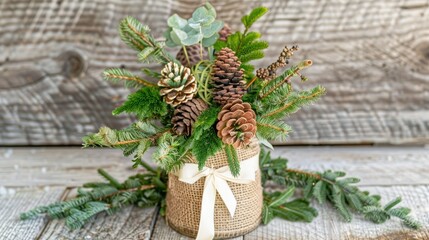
226, 194
206, 229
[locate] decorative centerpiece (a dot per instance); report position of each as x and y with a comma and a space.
207, 112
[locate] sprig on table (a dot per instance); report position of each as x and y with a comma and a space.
334, 188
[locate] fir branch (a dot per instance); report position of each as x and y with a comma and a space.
254, 15
146, 103
294, 102
271, 129
168, 154
130, 80
105, 197
233, 161
277, 205
135, 139
207, 145
334, 187
138, 37
205, 121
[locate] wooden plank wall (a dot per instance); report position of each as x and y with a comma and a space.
372, 56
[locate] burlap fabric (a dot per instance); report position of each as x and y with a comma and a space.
184, 201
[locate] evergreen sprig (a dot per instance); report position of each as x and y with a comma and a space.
246, 45
135, 139
130, 80
333, 187
147, 189
146, 103
205, 142
277, 205
293, 102
272, 129
138, 37
170, 152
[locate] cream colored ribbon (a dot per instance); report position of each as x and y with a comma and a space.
216, 180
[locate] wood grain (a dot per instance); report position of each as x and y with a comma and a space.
163, 231
388, 171
13, 201
372, 56
71, 167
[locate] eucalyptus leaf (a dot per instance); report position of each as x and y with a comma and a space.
194, 25
193, 39
208, 42
168, 40
175, 21
211, 10
180, 34
200, 14
207, 20
211, 29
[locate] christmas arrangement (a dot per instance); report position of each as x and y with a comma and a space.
210, 116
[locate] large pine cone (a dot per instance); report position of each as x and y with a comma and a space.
177, 84
186, 114
194, 55
227, 77
225, 32
237, 124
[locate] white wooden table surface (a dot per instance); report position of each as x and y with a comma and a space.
35, 176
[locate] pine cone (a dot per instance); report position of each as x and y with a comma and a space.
225, 32
186, 114
194, 55
227, 77
237, 123
177, 84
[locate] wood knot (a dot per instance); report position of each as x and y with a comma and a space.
73, 64
422, 54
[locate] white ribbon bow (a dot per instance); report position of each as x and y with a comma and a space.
216, 180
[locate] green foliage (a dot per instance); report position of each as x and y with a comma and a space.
146, 103
292, 103
135, 139
130, 80
202, 28
272, 129
205, 142
334, 187
207, 145
253, 16
205, 121
277, 205
138, 37
140, 189
246, 45
233, 161
202, 73
169, 154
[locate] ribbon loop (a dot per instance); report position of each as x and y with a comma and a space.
217, 181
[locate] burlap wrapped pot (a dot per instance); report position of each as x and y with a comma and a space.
184, 201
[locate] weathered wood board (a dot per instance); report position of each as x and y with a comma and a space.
372, 56
72, 166
13, 201
388, 171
